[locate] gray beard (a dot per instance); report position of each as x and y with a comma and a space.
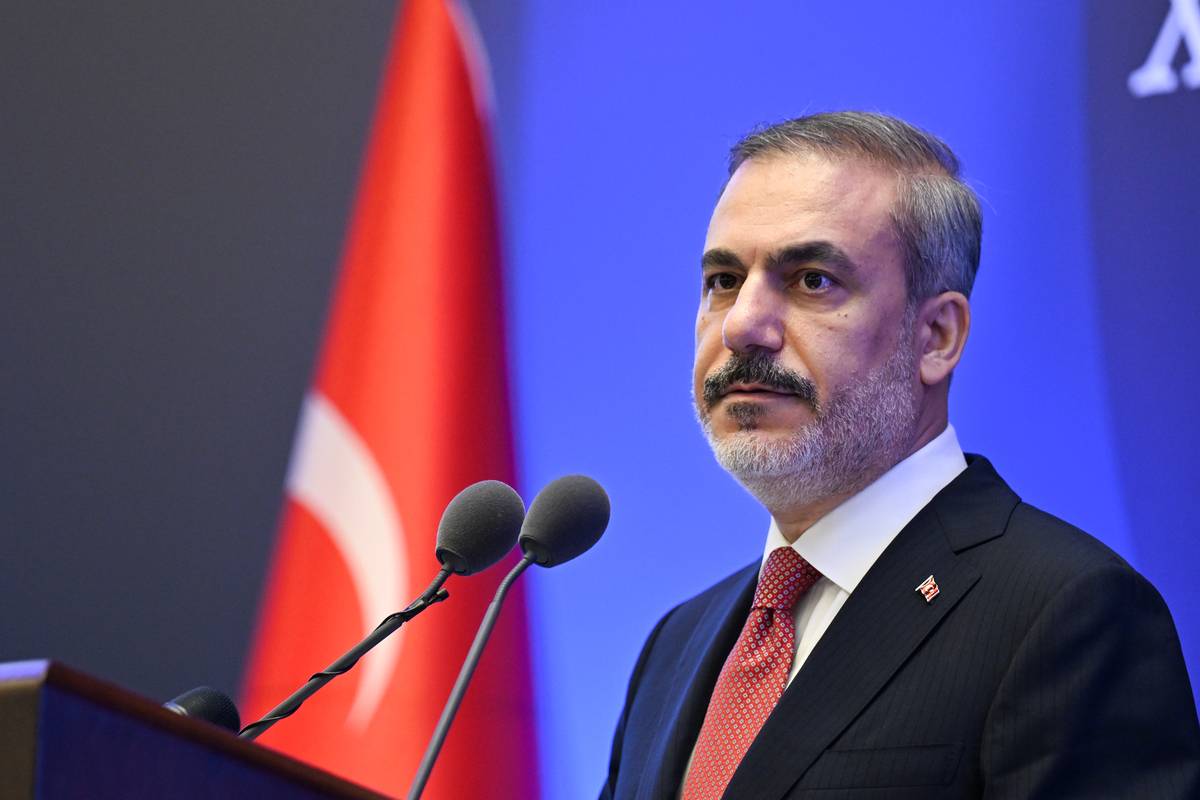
859, 433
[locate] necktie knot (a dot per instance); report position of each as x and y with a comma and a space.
785, 577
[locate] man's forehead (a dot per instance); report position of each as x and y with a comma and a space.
771, 201
807, 179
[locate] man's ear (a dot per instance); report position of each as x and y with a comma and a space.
943, 322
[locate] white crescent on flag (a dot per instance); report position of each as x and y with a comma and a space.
335, 477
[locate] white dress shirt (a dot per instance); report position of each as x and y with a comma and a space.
844, 543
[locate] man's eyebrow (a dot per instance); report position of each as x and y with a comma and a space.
820, 252
720, 257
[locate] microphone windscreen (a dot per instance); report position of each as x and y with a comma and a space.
479, 527
209, 705
565, 520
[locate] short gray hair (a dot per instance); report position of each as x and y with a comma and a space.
936, 216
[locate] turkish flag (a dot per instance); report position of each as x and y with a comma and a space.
409, 406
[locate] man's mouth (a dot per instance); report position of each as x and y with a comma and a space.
751, 377
757, 388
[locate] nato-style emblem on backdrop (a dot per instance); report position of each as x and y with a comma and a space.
929, 589
1156, 76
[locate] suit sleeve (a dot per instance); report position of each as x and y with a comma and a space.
1096, 701
607, 792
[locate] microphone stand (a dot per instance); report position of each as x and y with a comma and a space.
464, 678
433, 594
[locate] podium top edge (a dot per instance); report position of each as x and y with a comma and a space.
24, 670
49, 674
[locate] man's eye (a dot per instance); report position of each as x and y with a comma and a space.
816, 281
721, 281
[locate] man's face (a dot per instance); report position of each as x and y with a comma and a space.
805, 377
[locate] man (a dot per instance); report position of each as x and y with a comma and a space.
913, 629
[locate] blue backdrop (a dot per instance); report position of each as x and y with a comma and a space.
176, 182
614, 123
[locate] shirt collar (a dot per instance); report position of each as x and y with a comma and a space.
844, 543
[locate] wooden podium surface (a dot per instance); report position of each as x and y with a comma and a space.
64, 734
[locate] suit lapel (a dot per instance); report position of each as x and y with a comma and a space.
884, 620
701, 657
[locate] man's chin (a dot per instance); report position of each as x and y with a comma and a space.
756, 451
760, 429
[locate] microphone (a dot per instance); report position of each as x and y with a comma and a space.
209, 705
566, 518
477, 528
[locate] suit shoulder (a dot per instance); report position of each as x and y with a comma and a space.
1036, 534
1021, 545
720, 592
677, 624
1040, 556
686, 615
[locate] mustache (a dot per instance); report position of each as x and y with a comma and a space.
758, 368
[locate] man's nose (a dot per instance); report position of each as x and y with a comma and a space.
755, 321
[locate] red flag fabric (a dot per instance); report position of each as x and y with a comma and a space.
409, 406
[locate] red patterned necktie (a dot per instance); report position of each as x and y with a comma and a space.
754, 676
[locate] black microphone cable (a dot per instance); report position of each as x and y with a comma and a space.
476, 530
433, 594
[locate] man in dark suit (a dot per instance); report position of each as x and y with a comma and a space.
913, 629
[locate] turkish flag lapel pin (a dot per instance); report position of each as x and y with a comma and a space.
928, 589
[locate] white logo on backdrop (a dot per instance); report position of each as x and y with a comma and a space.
1181, 27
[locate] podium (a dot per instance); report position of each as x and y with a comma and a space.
66, 735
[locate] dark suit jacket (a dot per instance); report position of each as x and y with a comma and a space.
1045, 668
